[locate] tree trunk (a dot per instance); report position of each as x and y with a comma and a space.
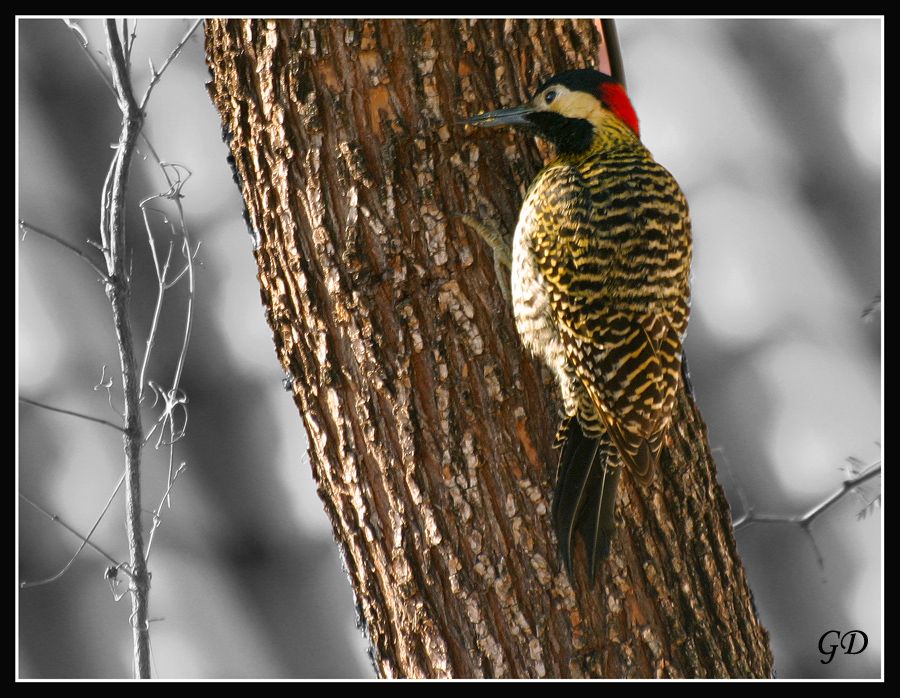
430, 430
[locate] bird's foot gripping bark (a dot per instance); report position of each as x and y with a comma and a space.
500, 244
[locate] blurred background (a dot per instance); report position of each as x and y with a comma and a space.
774, 130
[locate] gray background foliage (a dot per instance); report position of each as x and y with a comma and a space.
773, 128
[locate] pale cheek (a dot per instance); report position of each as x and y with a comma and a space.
596, 115
577, 109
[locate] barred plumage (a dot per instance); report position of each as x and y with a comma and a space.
600, 287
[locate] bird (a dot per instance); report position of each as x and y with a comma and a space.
600, 286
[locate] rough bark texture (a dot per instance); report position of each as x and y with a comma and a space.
430, 430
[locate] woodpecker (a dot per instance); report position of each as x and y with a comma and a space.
600, 284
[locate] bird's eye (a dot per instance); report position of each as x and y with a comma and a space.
549, 96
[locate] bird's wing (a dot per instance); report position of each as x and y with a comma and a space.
602, 259
631, 376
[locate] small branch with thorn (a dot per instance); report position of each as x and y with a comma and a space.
805, 521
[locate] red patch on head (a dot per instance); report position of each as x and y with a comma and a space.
615, 97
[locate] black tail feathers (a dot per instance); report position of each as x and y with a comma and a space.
585, 496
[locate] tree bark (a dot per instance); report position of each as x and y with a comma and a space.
430, 430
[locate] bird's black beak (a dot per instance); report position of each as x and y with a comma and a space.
514, 116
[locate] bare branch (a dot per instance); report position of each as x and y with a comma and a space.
120, 40
126, 49
70, 412
175, 196
172, 400
132, 38
157, 310
83, 40
806, 520
128, 41
156, 75
121, 76
28, 228
162, 269
187, 267
84, 542
84, 43
105, 208
118, 291
155, 156
166, 498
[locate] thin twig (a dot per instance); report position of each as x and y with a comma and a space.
187, 267
157, 309
128, 43
189, 313
28, 401
156, 75
84, 542
54, 517
173, 397
83, 42
29, 228
806, 520
161, 277
157, 519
